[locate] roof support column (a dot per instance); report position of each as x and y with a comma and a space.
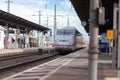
41, 38
38, 38
26, 38
115, 41
6, 36
16, 33
18, 38
93, 46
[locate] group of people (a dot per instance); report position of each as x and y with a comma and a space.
11, 41
19, 42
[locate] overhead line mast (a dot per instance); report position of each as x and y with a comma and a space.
8, 6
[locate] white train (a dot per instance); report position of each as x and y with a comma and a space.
69, 39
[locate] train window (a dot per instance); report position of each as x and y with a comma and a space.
65, 32
59, 32
68, 33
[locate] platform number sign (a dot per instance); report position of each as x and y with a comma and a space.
109, 34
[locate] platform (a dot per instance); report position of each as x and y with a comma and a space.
10, 52
73, 66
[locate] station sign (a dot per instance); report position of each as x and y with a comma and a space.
104, 38
22, 32
109, 34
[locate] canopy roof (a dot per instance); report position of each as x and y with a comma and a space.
18, 22
82, 9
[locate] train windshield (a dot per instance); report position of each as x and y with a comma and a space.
65, 32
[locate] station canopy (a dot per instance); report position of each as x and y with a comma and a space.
82, 9
12, 21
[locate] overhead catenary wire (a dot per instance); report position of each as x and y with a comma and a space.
61, 7
35, 11
66, 10
25, 6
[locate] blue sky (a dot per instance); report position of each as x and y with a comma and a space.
27, 8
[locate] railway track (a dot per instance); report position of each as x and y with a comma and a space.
19, 68
11, 61
10, 65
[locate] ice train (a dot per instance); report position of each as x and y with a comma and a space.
69, 39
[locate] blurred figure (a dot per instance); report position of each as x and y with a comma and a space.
5, 42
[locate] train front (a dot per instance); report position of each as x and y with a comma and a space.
64, 40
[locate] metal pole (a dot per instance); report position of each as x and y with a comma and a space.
110, 47
46, 6
93, 46
39, 17
41, 38
8, 9
6, 36
7, 31
8, 6
47, 21
119, 43
115, 21
38, 38
54, 22
68, 22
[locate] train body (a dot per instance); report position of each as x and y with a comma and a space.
69, 39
